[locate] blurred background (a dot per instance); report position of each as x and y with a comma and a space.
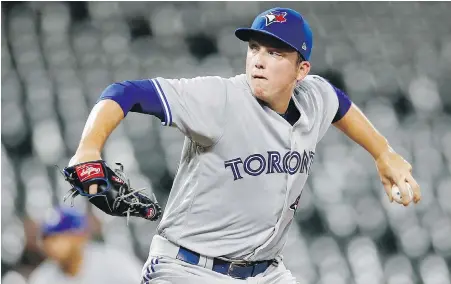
392, 58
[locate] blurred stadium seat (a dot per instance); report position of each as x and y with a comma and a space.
394, 60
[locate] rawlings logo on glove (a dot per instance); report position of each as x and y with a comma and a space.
115, 196
89, 170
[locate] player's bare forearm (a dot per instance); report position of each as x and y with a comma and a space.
392, 168
358, 128
103, 119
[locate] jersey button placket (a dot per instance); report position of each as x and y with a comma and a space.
289, 177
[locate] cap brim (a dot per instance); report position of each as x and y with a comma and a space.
245, 34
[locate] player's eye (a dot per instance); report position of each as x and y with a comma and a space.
253, 46
275, 53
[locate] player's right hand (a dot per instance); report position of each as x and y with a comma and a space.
82, 156
394, 170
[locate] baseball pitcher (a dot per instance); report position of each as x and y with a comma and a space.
249, 148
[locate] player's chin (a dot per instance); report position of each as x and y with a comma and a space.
258, 90
261, 94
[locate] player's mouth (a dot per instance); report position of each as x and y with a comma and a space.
259, 77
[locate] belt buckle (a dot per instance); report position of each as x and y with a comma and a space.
237, 264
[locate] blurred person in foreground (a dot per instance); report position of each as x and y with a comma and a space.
72, 258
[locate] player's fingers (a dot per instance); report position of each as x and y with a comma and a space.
388, 186
402, 185
415, 188
93, 188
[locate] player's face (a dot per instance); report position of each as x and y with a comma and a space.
60, 247
272, 68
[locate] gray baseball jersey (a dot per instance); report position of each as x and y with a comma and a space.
101, 265
243, 166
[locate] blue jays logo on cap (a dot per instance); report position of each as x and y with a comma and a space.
275, 17
284, 24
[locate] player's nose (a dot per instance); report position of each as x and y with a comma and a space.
259, 62
259, 65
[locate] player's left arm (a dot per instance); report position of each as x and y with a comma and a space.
393, 169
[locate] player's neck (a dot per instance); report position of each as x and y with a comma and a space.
72, 266
280, 105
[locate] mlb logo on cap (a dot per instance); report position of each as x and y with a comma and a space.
285, 24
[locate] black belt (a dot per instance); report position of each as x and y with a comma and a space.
233, 269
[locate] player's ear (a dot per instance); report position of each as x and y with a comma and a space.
303, 70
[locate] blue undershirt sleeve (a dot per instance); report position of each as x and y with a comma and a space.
344, 103
138, 96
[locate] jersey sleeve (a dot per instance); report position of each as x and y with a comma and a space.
328, 105
195, 106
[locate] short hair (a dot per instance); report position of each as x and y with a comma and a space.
300, 59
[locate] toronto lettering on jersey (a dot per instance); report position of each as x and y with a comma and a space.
292, 162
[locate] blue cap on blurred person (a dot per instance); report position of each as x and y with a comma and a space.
62, 220
284, 24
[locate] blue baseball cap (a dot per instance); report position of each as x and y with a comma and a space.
286, 25
63, 220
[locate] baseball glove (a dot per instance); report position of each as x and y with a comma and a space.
115, 196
